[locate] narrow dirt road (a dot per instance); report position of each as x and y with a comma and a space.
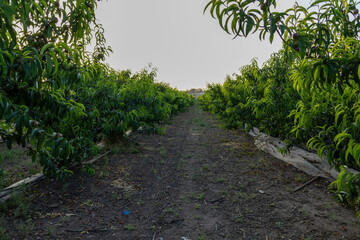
195, 182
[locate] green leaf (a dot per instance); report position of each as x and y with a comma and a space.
49, 45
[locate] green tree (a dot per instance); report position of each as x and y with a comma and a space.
326, 72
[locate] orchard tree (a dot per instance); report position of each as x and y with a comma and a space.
323, 32
42, 54
325, 39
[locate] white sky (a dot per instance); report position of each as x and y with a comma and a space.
188, 48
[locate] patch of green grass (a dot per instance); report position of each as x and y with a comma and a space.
163, 152
252, 165
247, 210
200, 196
205, 167
226, 193
25, 227
279, 224
220, 180
128, 196
199, 122
202, 237
181, 164
238, 219
129, 227
153, 228
124, 147
52, 230
12, 155
116, 195
15, 165
187, 156
3, 231
196, 174
264, 163
19, 204
240, 195
304, 212
170, 210
300, 178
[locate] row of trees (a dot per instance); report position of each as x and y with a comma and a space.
57, 99
309, 91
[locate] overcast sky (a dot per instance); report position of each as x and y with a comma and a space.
188, 48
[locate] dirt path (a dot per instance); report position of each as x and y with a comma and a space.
195, 182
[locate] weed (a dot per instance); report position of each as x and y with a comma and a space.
89, 170
226, 193
106, 160
197, 196
252, 195
198, 217
104, 172
116, 195
220, 180
279, 224
170, 210
239, 195
252, 165
26, 227
248, 210
129, 227
124, 147
265, 163
52, 230
3, 232
153, 228
65, 218
88, 203
197, 206
205, 167
333, 216
304, 212
18, 203
187, 156
202, 237
196, 175
140, 202
181, 164
238, 219
300, 178
127, 196
163, 152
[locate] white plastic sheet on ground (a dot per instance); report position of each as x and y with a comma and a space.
306, 161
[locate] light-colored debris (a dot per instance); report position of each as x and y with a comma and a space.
119, 183
304, 160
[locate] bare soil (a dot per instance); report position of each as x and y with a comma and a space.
197, 181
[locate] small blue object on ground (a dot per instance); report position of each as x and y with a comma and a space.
126, 212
